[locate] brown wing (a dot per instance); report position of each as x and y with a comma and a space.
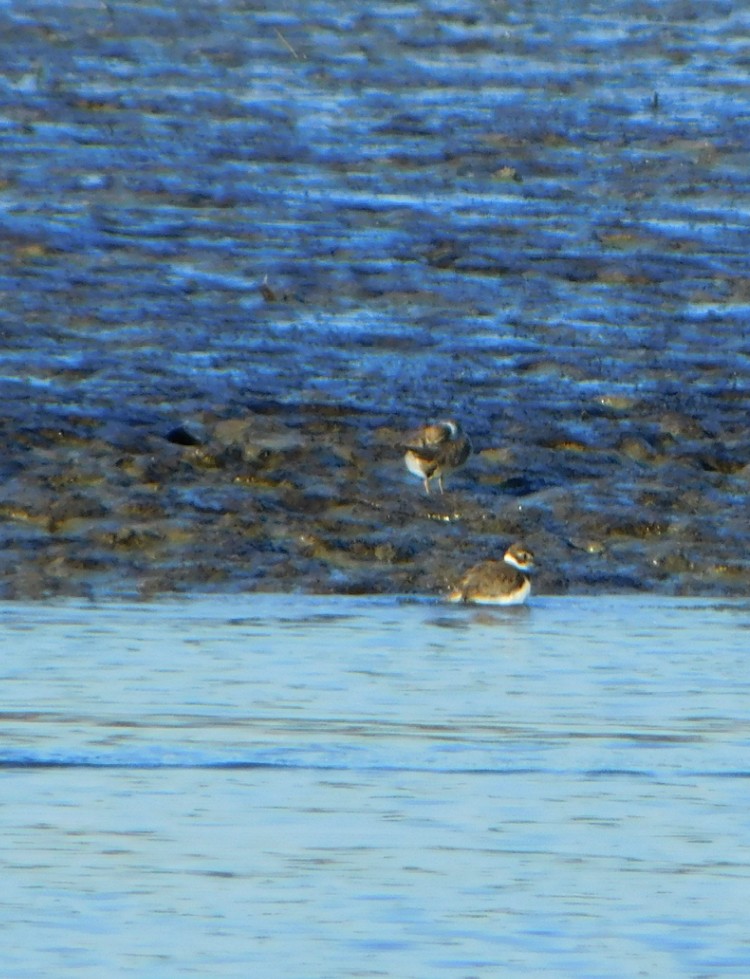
490, 578
455, 454
450, 454
428, 453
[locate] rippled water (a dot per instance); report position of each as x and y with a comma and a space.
305, 786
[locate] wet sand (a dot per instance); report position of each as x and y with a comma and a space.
244, 251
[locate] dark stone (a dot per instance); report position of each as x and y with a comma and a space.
182, 436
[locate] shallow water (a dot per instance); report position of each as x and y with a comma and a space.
342, 787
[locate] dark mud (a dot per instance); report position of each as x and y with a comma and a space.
244, 249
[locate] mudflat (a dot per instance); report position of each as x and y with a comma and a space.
244, 251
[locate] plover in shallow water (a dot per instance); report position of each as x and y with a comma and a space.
436, 450
497, 582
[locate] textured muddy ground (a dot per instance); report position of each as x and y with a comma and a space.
244, 248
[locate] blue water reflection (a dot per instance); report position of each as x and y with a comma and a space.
346, 787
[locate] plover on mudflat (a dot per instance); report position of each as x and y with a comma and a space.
497, 582
436, 450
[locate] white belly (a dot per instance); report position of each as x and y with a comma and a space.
517, 597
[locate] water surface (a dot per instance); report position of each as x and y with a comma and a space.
308, 786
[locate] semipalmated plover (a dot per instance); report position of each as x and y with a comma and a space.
436, 450
497, 582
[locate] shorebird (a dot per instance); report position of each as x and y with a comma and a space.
436, 450
497, 582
